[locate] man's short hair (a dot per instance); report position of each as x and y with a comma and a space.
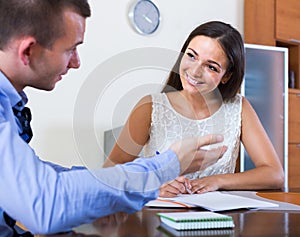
41, 19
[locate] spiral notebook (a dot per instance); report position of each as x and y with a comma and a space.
196, 220
171, 232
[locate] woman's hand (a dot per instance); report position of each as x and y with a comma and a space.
175, 187
206, 184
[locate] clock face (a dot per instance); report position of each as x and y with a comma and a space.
145, 17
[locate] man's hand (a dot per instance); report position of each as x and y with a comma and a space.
192, 158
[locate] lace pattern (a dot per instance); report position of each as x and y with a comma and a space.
168, 126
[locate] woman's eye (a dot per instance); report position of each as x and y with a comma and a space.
190, 55
213, 68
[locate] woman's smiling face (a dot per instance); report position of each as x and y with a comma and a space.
203, 65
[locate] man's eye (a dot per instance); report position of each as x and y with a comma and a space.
72, 50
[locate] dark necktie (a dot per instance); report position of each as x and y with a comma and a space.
24, 117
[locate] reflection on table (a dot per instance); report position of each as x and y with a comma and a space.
247, 223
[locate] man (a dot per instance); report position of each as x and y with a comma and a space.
38, 45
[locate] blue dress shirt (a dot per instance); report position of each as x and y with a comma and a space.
48, 198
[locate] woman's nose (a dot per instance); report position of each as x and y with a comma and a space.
196, 69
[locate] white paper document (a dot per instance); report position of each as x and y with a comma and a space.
213, 201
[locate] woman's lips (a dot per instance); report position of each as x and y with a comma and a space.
193, 81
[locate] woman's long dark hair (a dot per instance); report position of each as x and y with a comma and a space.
232, 43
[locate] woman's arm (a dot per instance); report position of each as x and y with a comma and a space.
134, 134
268, 171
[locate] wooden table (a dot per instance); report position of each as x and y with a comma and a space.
247, 223
290, 197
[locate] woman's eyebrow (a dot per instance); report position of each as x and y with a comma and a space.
214, 62
210, 61
193, 51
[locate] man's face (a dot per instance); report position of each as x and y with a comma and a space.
49, 65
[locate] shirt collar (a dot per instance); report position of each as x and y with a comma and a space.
17, 100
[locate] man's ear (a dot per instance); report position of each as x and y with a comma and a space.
25, 49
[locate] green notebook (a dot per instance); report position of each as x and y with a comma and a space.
196, 220
171, 232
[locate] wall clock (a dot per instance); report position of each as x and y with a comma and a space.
144, 16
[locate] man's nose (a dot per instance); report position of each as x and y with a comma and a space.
75, 60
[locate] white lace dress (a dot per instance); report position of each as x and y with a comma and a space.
168, 126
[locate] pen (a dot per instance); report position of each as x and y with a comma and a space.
187, 187
185, 182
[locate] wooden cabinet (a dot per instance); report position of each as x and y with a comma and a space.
294, 166
294, 116
259, 22
294, 139
287, 20
277, 23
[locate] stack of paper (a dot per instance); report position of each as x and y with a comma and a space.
213, 201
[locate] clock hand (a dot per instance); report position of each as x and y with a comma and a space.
147, 19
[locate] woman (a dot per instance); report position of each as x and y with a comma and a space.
201, 97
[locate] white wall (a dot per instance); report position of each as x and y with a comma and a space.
102, 94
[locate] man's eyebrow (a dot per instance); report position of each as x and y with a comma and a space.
76, 44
